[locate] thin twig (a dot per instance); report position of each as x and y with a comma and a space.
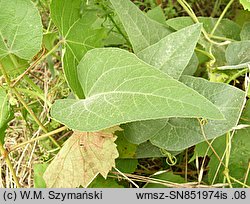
6, 157
19, 97
49, 134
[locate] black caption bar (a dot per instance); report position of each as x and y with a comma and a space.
47, 196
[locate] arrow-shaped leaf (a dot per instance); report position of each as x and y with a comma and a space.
121, 88
142, 30
172, 53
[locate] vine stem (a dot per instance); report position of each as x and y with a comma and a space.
228, 151
40, 59
235, 76
247, 80
221, 17
39, 138
191, 13
6, 157
19, 97
28, 80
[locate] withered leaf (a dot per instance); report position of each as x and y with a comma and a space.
83, 156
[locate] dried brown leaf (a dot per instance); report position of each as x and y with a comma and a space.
81, 159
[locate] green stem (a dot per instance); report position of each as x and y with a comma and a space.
115, 24
27, 91
238, 74
221, 17
49, 134
216, 8
191, 13
30, 111
220, 38
6, 157
205, 53
119, 30
227, 158
27, 79
239, 66
33, 85
239, 182
50, 52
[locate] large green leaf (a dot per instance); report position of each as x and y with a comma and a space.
142, 30
172, 53
20, 29
80, 33
121, 88
179, 133
6, 113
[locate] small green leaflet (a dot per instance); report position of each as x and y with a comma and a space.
20, 29
120, 88
142, 30
79, 33
245, 4
172, 53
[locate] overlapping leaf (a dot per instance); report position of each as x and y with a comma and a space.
238, 52
179, 133
172, 53
142, 30
77, 25
82, 158
20, 29
121, 88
